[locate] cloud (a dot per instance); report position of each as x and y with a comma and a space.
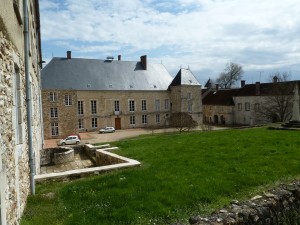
205, 34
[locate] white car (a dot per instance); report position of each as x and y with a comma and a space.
107, 130
70, 140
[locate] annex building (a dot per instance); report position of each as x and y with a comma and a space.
81, 95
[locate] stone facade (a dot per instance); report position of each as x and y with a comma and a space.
151, 109
63, 113
187, 98
14, 159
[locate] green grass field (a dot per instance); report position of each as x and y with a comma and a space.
181, 175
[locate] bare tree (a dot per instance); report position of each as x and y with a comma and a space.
232, 73
278, 101
182, 121
279, 77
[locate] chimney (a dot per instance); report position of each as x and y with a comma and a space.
119, 57
257, 88
243, 82
144, 61
217, 87
69, 55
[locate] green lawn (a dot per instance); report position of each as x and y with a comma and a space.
181, 175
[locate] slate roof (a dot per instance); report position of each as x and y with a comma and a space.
220, 97
184, 77
267, 89
95, 74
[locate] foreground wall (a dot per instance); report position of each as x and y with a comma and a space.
278, 206
14, 160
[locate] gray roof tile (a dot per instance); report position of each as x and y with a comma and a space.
95, 74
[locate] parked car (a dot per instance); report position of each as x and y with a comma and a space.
70, 140
107, 130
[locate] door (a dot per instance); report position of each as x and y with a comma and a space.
118, 123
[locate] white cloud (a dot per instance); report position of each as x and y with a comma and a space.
204, 34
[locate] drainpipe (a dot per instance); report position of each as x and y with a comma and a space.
28, 95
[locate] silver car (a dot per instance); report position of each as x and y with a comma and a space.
70, 140
107, 130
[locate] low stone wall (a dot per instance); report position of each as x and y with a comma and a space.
51, 155
278, 206
63, 157
90, 150
103, 157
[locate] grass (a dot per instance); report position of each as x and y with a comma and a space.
181, 175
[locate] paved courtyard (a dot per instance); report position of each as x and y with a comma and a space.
81, 161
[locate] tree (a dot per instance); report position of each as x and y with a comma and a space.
278, 102
182, 121
232, 73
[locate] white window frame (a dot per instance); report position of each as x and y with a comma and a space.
167, 104
240, 106
68, 100
247, 106
54, 129
93, 107
132, 120
144, 105
80, 124
157, 104
94, 122
131, 105
144, 119
18, 95
157, 118
117, 105
190, 107
189, 95
80, 110
53, 112
52, 96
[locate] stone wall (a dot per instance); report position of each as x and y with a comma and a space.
67, 115
14, 166
15, 186
275, 207
104, 158
57, 155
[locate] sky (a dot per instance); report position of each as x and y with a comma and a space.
263, 36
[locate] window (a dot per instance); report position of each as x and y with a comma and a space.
18, 107
157, 105
54, 129
144, 119
68, 100
117, 106
190, 107
167, 104
94, 122
94, 107
53, 113
256, 107
80, 124
132, 120
52, 96
240, 106
247, 106
131, 106
80, 107
144, 105
157, 118
189, 95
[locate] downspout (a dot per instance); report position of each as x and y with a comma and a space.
28, 95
